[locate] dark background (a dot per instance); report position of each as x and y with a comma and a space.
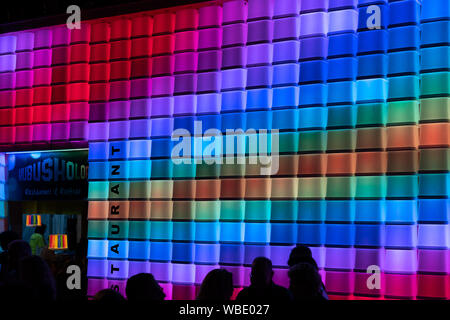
22, 14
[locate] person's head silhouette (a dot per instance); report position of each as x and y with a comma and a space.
143, 287
301, 254
217, 286
305, 282
109, 296
40, 229
6, 238
262, 273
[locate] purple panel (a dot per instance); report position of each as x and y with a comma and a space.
162, 127
60, 131
42, 38
238, 274
234, 34
209, 38
184, 104
60, 36
162, 107
161, 271
140, 149
162, 86
60, 55
284, 8
98, 131
367, 257
201, 271
24, 78
286, 51
183, 273
8, 80
97, 268
340, 258
260, 9
120, 268
259, 76
234, 57
208, 82
24, 60
99, 112
234, 11
43, 58
234, 79
7, 62
254, 251
208, 103
401, 261
286, 28
260, 31
25, 41
162, 65
313, 48
119, 110
316, 5
185, 62
210, 16
140, 108
433, 261
259, 54
280, 255
313, 24
185, 83
79, 130
41, 132
120, 90
140, 128
209, 60
119, 130
136, 267
8, 44
141, 88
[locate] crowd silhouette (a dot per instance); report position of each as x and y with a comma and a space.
27, 276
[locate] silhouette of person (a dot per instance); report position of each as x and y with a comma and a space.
305, 282
302, 254
36, 275
17, 250
262, 287
143, 287
216, 286
109, 296
6, 238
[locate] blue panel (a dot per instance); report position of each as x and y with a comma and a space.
183, 231
401, 211
140, 169
404, 12
232, 253
342, 92
343, 211
404, 38
285, 74
161, 148
435, 10
340, 234
284, 97
312, 234
434, 210
234, 101
313, 94
231, 231
139, 250
285, 119
283, 233
207, 231
342, 69
404, 63
160, 251
369, 235
312, 118
365, 15
373, 41
182, 252
257, 232
342, 116
233, 121
372, 66
342, 45
259, 99
436, 33
259, 120
313, 210
207, 253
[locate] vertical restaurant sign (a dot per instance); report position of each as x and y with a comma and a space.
48, 175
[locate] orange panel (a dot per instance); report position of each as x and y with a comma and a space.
207, 189
341, 163
98, 210
288, 165
232, 188
258, 188
403, 137
371, 162
161, 210
118, 210
435, 135
403, 161
183, 189
312, 164
371, 138
140, 210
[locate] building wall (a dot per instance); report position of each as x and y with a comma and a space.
362, 116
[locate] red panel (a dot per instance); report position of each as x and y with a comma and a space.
24, 134
79, 111
60, 112
163, 44
120, 29
59, 93
100, 32
141, 68
8, 98
99, 92
81, 35
79, 72
120, 49
141, 47
120, 70
60, 74
78, 92
186, 19
42, 114
24, 115
400, 285
79, 53
7, 135
42, 95
432, 286
42, 76
100, 52
24, 97
162, 65
7, 117
99, 72
183, 292
163, 23
141, 26
120, 90
60, 55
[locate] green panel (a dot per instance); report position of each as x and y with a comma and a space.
98, 190
205, 170
207, 210
139, 230
370, 187
402, 186
98, 229
341, 187
403, 112
311, 188
184, 170
140, 190
312, 141
288, 142
232, 210
183, 210
435, 109
372, 114
119, 190
437, 83
257, 210
118, 229
435, 160
341, 140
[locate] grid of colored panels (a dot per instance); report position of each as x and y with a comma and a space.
44, 91
363, 121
